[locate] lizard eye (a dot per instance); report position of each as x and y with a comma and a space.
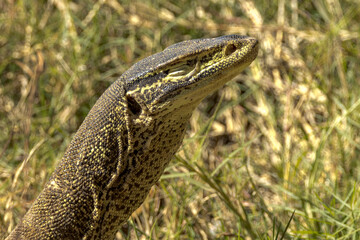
230, 49
191, 63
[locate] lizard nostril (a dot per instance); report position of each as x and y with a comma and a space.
230, 49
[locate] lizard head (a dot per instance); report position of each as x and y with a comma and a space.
184, 73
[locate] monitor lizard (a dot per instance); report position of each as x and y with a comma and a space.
129, 137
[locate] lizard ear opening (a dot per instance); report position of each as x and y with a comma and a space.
133, 105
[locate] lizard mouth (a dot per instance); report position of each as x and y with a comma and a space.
207, 73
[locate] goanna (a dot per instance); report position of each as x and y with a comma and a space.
129, 137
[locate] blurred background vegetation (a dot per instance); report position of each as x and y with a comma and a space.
274, 153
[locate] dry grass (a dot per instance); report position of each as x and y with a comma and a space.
283, 137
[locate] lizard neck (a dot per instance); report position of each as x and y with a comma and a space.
151, 142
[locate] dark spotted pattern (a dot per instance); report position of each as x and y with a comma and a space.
126, 141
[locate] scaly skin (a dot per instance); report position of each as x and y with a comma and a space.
129, 137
